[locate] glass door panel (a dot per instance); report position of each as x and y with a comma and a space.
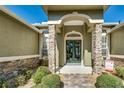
73, 51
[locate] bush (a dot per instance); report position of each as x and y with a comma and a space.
22, 71
43, 69
21, 80
51, 81
120, 71
3, 82
40, 73
13, 83
29, 74
108, 81
37, 86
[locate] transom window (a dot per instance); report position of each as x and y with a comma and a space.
73, 35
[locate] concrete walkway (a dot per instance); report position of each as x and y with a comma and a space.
78, 80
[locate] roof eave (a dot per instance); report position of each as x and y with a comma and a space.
105, 7
6, 11
116, 27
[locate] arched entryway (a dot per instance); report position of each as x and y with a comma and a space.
73, 48
73, 39
71, 29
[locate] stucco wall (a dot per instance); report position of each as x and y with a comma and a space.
56, 15
16, 39
86, 43
60, 49
117, 42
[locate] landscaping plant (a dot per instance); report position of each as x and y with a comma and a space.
40, 73
108, 81
29, 74
51, 81
21, 79
13, 83
22, 71
120, 71
3, 82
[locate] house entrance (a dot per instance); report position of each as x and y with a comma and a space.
73, 51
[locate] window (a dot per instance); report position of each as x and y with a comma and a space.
104, 44
45, 43
73, 35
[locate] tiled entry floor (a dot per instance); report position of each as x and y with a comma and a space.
78, 80
74, 68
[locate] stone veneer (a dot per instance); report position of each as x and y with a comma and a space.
52, 49
118, 60
97, 48
10, 69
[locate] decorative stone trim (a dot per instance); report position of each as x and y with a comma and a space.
118, 60
10, 69
117, 56
12, 58
52, 49
97, 48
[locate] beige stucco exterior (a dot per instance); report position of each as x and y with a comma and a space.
16, 38
116, 42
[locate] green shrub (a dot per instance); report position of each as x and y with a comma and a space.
40, 73
120, 71
29, 74
21, 79
13, 83
3, 82
38, 77
22, 71
51, 81
43, 69
40, 86
108, 81
37, 86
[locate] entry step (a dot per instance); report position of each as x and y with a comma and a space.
75, 69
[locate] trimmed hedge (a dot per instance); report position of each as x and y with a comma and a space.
43, 69
37, 86
120, 71
40, 73
108, 81
51, 81
3, 82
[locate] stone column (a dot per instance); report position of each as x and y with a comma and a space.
52, 49
97, 48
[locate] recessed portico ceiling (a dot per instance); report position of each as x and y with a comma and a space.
73, 7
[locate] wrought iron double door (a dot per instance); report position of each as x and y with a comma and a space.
73, 51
